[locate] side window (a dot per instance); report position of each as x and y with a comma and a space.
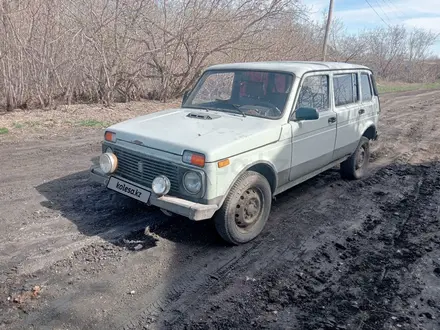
376, 93
314, 93
367, 93
345, 88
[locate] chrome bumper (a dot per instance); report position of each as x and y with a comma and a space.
191, 210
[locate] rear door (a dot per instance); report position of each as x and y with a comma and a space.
313, 140
369, 102
349, 112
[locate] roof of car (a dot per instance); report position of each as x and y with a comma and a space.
296, 67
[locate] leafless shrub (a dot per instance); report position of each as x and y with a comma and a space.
394, 53
54, 52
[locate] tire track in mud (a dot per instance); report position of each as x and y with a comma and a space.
178, 298
361, 279
181, 291
190, 286
407, 131
181, 296
250, 256
396, 253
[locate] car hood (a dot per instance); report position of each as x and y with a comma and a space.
219, 136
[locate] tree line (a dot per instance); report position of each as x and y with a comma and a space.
62, 52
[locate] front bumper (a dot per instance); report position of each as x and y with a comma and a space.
191, 210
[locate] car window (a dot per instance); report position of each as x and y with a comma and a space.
345, 88
258, 81
314, 93
367, 93
216, 87
249, 92
373, 82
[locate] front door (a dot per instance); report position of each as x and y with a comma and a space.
313, 140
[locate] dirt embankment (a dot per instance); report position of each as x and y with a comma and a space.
335, 255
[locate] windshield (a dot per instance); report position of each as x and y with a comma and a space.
254, 93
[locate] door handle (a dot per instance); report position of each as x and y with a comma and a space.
361, 111
332, 120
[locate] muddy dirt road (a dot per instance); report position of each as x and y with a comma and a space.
335, 255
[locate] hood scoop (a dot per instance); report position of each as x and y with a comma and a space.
203, 116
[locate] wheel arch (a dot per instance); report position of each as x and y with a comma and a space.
370, 132
268, 171
265, 168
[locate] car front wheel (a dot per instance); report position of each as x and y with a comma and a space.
245, 210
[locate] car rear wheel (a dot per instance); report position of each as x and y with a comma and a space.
245, 210
356, 166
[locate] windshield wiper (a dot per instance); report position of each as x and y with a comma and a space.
237, 107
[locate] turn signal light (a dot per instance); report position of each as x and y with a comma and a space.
223, 163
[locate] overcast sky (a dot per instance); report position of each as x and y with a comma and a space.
357, 14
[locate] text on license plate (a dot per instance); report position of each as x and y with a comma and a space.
129, 189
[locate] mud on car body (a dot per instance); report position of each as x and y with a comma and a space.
245, 133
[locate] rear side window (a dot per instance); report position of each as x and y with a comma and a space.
367, 93
314, 93
345, 88
373, 80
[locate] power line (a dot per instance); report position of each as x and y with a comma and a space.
377, 13
393, 10
397, 9
383, 11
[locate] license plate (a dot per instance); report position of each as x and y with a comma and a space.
129, 189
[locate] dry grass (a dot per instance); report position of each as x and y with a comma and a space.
22, 122
390, 87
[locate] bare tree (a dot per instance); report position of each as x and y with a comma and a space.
109, 51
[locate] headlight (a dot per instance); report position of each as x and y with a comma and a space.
161, 185
192, 182
108, 163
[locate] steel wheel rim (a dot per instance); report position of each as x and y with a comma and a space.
360, 159
249, 208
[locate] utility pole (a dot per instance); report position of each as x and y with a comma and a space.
327, 29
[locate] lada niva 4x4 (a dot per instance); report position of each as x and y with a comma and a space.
244, 133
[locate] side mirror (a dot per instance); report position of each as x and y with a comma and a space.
185, 96
306, 114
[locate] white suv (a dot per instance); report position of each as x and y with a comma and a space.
245, 133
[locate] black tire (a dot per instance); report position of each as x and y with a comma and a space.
245, 210
356, 167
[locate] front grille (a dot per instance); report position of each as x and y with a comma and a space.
143, 169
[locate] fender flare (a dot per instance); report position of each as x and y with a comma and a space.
370, 132
267, 164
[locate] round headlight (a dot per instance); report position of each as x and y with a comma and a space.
192, 182
108, 162
161, 185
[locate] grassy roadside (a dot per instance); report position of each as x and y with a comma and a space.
80, 116
74, 117
390, 87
